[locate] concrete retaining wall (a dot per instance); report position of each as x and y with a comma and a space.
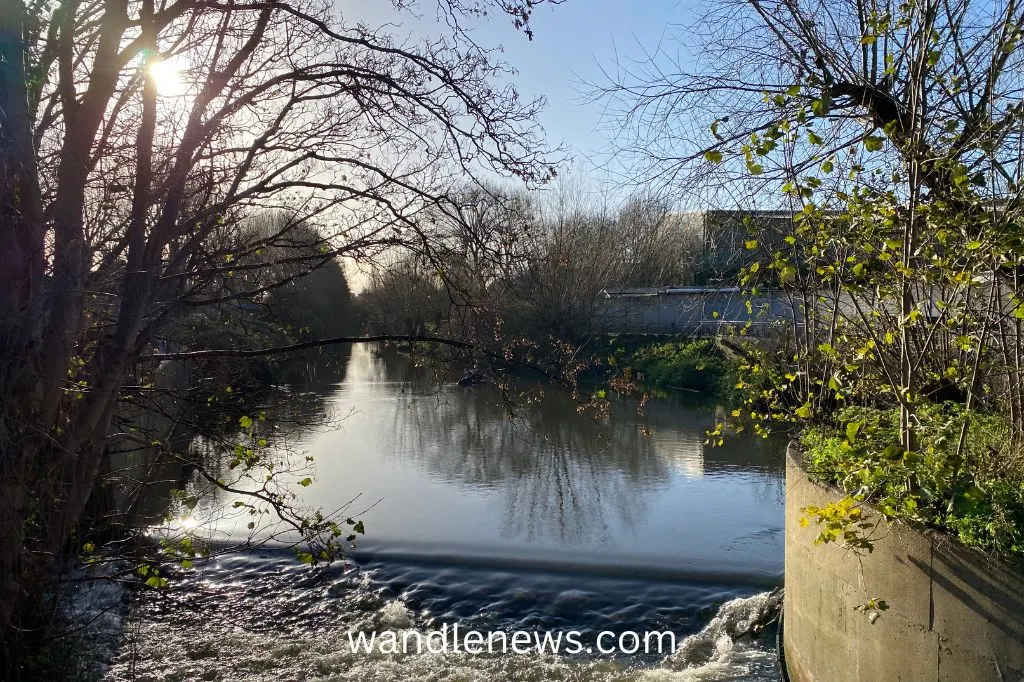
954, 613
699, 311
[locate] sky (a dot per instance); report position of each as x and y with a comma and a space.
571, 45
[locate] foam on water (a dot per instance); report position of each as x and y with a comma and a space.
395, 615
255, 621
712, 654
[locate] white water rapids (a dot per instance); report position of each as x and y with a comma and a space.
226, 631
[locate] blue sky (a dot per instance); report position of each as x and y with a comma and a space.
572, 42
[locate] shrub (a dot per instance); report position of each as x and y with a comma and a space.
695, 366
973, 493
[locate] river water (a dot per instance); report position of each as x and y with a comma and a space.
540, 519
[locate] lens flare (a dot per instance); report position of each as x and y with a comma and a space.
167, 74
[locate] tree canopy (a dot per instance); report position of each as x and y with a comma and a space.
139, 137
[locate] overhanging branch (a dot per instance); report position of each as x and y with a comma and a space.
305, 345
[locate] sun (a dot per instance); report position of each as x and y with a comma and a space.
167, 74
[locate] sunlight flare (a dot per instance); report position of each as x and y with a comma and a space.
167, 74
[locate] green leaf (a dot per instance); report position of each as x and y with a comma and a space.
306, 482
714, 156
873, 143
359, 528
245, 422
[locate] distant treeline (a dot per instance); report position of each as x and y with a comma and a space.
302, 295
527, 269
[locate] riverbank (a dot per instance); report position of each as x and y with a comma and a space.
698, 366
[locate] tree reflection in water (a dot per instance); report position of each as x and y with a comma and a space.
565, 476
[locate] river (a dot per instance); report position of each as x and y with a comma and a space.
542, 520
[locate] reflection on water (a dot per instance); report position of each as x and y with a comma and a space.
457, 471
558, 475
535, 517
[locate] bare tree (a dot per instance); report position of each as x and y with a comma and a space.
137, 136
657, 249
404, 296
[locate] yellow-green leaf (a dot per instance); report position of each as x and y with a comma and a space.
873, 143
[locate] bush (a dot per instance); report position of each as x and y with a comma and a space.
973, 494
694, 366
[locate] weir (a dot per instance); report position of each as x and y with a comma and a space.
954, 613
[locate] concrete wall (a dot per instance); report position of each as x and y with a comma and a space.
694, 312
954, 613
